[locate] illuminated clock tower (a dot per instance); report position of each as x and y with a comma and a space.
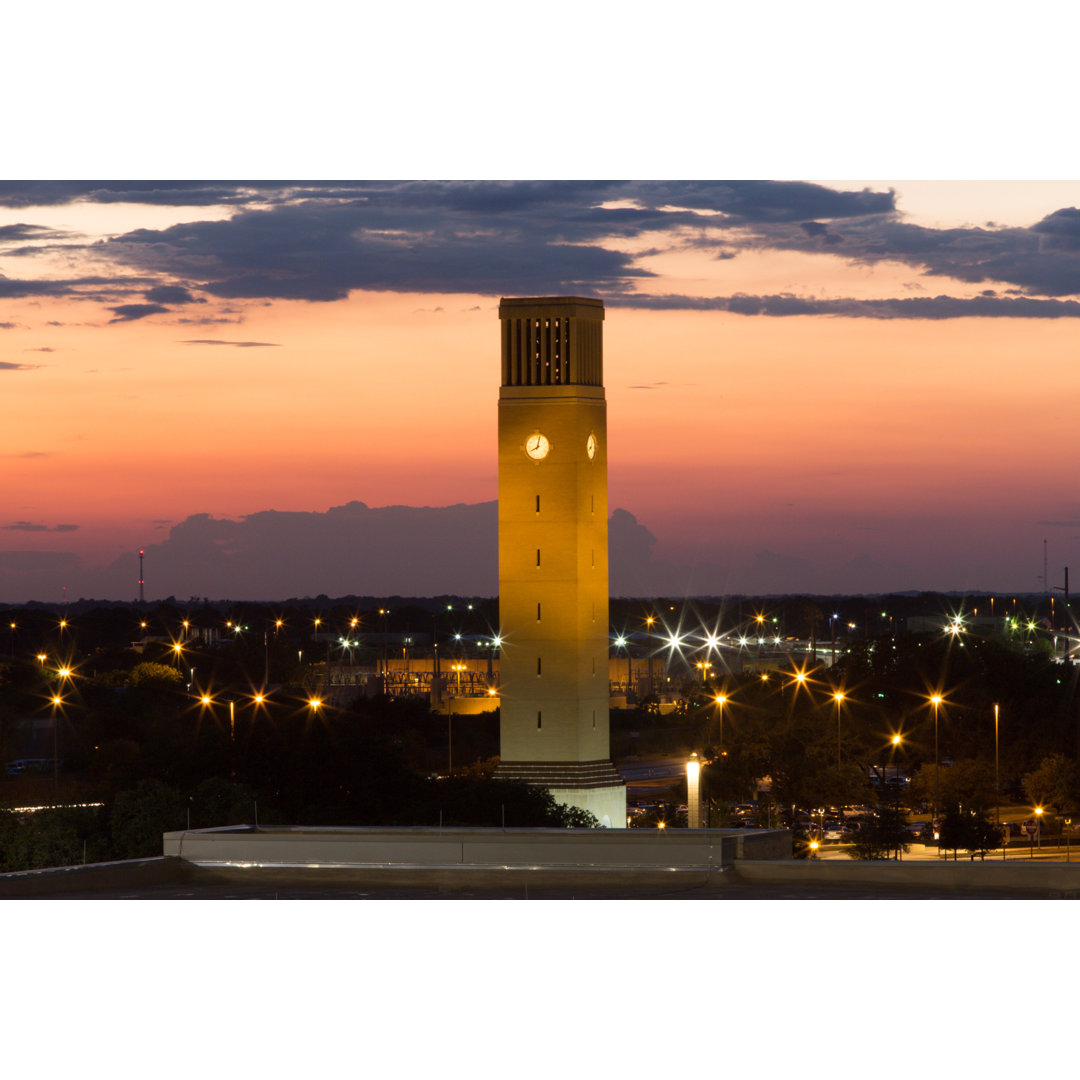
553, 554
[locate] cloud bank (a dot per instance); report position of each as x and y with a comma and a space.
319, 241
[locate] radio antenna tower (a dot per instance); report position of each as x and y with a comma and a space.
142, 599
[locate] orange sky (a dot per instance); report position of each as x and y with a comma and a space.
894, 439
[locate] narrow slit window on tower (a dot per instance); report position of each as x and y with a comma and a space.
538, 665
594, 665
538, 504
592, 504
539, 723
592, 558
594, 719
537, 610
537, 556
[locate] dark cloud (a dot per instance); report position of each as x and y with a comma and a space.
1061, 229
23, 561
42, 348
130, 312
34, 526
407, 550
1041, 260
22, 233
17, 193
320, 240
489, 237
172, 294
745, 201
85, 287
7, 326
909, 307
7, 365
322, 252
237, 344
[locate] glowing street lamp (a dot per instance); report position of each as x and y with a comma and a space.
838, 697
57, 701
936, 700
721, 700
693, 792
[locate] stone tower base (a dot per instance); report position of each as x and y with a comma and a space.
591, 785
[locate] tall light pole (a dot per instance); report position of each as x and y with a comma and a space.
56, 701
936, 700
838, 697
997, 775
721, 699
450, 734
693, 792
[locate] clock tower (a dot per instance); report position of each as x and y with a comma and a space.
553, 554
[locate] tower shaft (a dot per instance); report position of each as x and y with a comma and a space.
553, 553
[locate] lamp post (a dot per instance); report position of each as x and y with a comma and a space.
693, 792
622, 643
894, 742
997, 776
838, 697
57, 700
936, 700
449, 734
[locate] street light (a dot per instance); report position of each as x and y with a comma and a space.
997, 777
838, 697
57, 701
721, 700
935, 700
693, 792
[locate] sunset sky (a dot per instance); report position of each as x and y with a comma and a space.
823, 386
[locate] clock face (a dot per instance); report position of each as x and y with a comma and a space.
537, 446
590, 447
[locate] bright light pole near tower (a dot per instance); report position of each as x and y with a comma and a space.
693, 792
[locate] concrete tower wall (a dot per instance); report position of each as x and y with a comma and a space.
553, 553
